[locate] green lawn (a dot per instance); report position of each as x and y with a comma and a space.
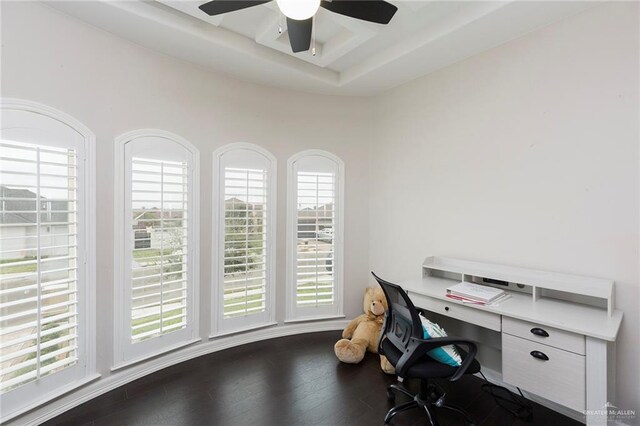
151, 252
152, 318
169, 267
7, 268
309, 293
252, 300
18, 269
44, 351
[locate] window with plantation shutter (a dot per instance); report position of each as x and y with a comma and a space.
244, 213
314, 246
46, 334
156, 216
315, 281
245, 230
39, 261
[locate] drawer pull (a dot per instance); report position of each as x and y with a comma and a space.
539, 332
446, 308
539, 355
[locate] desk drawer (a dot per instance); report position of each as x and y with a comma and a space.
554, 337
457, 311
561, 378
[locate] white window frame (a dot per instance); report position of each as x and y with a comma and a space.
319, 161
33, 394
250, 156
125, 352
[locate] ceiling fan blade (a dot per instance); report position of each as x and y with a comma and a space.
378, 11
299, 34
218, 7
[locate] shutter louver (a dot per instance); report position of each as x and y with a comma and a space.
159, 206
245, 231
38, 262
315, 282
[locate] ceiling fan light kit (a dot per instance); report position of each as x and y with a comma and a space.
298, 9
300, 14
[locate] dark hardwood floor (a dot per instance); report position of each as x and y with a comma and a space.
293, 380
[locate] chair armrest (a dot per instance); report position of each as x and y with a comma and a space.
419, 347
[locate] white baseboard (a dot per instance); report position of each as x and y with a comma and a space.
118, 378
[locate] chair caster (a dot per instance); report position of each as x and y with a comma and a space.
390, 397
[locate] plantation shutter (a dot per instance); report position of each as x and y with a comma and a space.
244, 227
315, 282
156, 208
314, 236
39, 262
245, 241
159, 227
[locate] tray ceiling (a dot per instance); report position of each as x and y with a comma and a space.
353, 57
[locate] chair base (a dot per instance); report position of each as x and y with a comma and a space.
429, 395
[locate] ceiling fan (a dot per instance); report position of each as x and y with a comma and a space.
300, 13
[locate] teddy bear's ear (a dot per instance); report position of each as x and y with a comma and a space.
368, 291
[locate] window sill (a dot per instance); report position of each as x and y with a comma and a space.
242, 330
51, 396
314, 318
125, 364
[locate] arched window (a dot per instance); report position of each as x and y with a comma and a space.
47, 249
314, 235
156, 266
244, 207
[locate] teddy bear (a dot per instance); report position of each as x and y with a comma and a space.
363, 332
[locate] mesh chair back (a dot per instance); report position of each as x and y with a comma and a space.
401, 320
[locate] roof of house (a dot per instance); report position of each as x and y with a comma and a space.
19, 205
17, 201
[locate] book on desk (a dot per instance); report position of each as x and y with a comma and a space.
467, 292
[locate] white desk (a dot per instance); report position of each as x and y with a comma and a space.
576, 313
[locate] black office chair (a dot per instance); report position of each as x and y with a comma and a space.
402, 342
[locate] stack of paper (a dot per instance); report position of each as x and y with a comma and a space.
476, 293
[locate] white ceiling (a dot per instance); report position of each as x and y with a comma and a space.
353, 57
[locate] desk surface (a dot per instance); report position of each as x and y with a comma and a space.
577, 318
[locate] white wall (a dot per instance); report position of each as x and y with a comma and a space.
113, 86
524, 155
